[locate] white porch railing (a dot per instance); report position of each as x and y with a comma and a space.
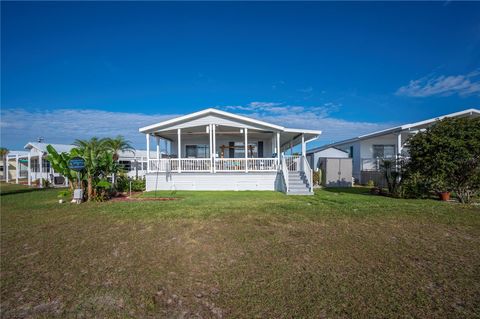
285, 174
262, 164
293, 162
221, 165
308, 172
195, 164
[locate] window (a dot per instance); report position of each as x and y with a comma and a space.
240, 150
383, 151
126, 165
350, 152
197, 151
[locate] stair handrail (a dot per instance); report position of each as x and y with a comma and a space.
285, 173
308, 172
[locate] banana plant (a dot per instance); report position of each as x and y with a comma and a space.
59, 162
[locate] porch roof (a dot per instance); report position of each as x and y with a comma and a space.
214, 116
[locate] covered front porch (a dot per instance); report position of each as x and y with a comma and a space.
220, 149
217, 150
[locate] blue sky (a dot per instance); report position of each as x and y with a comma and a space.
73, 70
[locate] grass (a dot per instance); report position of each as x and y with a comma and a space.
338, 254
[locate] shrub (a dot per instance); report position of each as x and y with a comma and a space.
447, 156
371, 183
317, 178
138, 185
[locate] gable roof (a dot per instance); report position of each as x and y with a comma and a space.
400, 128
43, 147
211, 111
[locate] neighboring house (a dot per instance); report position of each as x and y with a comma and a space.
12, 174
367, 151
29, 168
218, 150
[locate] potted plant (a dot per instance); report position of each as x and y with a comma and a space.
63, 195
441, 189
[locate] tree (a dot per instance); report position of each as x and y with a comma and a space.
98, 161
117, 145
447, 156
59, 162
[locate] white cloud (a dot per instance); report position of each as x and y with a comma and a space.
463, 85
18, 126
309, 117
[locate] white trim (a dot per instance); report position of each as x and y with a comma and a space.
395, 129
171, 122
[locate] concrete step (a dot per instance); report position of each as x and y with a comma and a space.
302, 193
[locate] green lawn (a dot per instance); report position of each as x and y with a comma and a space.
338, 254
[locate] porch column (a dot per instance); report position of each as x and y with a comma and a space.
147, 136
29, 172
179, 148
304, 146
158, 147
5, 169
17, 169
278, 148
212, 159
246, 149
214, 147
40, 170
399, 145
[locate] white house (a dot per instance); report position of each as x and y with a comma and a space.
368, 150
218, 150
24, 166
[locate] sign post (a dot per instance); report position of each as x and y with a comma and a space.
77, 164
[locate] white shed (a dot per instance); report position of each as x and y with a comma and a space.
330, 152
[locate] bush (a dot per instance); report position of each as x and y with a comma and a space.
138, 185
447, 156
123, 184
317, 178
371, 183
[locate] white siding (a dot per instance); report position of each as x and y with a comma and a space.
215, 119
215, 182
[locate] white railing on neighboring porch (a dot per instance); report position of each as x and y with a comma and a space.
221, 165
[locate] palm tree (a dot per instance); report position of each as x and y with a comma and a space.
92, 151
117, 145
3, 153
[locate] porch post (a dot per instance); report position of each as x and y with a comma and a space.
212, 159
148, 151
304, 148
278, 149
179, 148
158, 148
5, 169
214, 147
29, 173
40, 170
399, 145
17, 170
246, 149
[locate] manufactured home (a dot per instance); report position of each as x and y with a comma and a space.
32, 164
368, 151
218, 150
